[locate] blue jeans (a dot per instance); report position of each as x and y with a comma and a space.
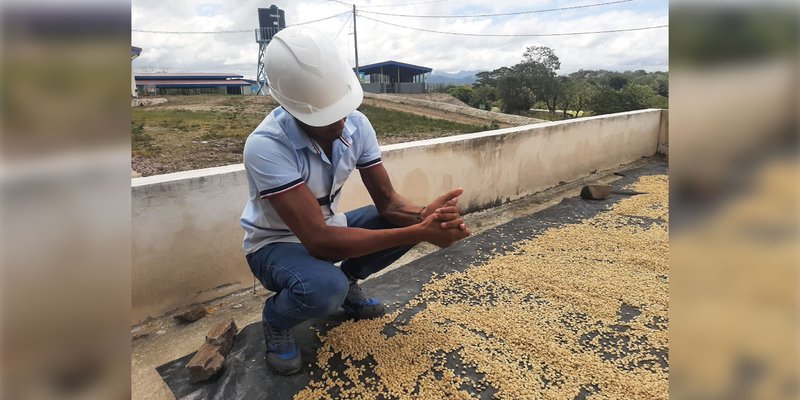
307, 287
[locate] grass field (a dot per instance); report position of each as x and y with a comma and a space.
192, 132
396, 126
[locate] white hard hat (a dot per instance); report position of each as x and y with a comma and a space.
309, 78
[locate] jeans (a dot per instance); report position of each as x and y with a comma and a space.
307, 287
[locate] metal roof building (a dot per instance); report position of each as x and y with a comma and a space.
135, 52
395, 77
192, 83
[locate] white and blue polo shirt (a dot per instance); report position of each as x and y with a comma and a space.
279, 156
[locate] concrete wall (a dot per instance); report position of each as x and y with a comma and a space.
663, 135
187, 240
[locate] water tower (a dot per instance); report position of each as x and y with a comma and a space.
270, 21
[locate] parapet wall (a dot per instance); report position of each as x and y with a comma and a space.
187, 240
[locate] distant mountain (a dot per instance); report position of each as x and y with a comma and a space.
454, 78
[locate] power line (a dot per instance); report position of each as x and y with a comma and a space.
388, 5
342, 3
192, 32
499, 14
519, 35
231, 31
343, 25
321, 19
403, 4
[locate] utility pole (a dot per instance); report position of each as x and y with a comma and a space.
355, 40
270, 22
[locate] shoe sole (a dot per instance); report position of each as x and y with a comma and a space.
290, 367
355, 314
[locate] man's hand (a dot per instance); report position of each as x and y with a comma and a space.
445, 210
435, 233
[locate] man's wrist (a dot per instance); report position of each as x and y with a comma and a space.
418, 233
421, 215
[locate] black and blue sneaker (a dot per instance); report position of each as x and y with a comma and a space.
283, 355
359, 306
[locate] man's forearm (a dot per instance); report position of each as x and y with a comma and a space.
339, 243
402, 212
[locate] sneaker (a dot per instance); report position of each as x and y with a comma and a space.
360, 307
283, 355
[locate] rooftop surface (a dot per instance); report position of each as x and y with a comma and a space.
426, 283
393, 65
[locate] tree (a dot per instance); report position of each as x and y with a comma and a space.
539, 65
607, 101
550, 90
576, 94
463, 93
516, 96
567, 95
489, 78
637, 97
631, 97
544, 56
483, 95
659, 101
617, 81
534, 80
662, 83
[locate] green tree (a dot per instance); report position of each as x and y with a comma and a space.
489, 78
662, 85
576, 94
607, 101
463, 93
483, 95
659, 101
516, 96
637, 97
601, 91
631, 97
617, 81
543, 56
539, 66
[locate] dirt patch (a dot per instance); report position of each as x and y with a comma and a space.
247, 104
470, 112
195, 154
432, 113
438, 97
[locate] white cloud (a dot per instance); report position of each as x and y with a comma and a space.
237, 53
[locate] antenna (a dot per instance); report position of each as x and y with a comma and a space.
270, 21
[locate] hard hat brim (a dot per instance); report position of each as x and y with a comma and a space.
332, 113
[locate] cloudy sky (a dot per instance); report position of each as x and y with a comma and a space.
238, 52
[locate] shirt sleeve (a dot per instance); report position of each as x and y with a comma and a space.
272, 164
370, 151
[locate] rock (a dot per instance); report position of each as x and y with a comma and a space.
210, 358
222, 335
191, 314
140, 332
206, 363
238, 305
595, 192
